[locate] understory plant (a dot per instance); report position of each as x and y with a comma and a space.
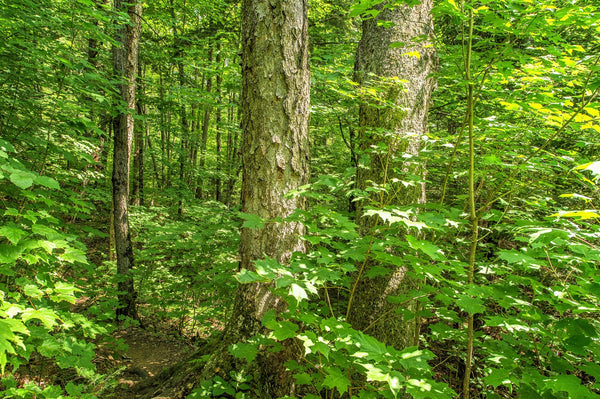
39, 333
185, 264
535, 303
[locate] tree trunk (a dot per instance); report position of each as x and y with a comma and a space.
152, 156
205, 125
125, 67
137, 189
398, 120
218, 128
178, 58
275, 103
100, 154
233, 156
164, 114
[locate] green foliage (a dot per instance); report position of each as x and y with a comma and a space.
184, 265
35, 316
535, 299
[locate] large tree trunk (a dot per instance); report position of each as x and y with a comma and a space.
398, 121
275, 103
125, 58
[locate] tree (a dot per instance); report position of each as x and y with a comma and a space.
275, 108
394, 57
125, 59
275, 156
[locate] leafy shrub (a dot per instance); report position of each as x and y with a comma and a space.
185, 265
36, 248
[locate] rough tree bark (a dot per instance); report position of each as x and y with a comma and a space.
398, 120
125, 59
275, 104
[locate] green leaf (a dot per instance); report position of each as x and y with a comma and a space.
244, 350
5, 347
74, 255
47, 182
520, 258
582, 215
336, 379
298, 292
8, 328
375, 373
322, 348
252, 221
13, 232
246, 276
46, 316
73, 390
571, 385
433, 251
22, 179
9, 254
369, 347
415, 387
497, 377
362, 7
303, 379
33, 291
6, 146
470, 305
282, 330
593, 167
49, 347
64, 292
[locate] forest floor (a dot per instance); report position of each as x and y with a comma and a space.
125, 358
147, 354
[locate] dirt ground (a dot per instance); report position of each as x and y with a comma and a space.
147, 355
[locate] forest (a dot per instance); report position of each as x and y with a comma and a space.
299, 199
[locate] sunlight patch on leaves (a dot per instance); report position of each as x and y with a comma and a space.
581, 215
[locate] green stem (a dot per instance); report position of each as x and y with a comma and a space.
472, 209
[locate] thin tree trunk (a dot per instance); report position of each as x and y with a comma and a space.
125, 66
99, 155
178, 57
205, 126
399, 122
192, 178
233, 162
218, 128
164, 130
137, 183
153, 157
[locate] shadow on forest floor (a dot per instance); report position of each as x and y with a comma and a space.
147, 354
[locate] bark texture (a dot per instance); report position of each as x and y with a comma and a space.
275, 105
391, 130
125, 59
